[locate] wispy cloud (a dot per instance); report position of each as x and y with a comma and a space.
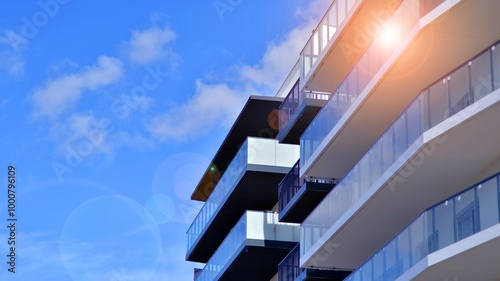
212, 106
152, 45
60, 94
217, 104
40, 257
12, 47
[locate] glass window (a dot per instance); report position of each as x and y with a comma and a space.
376, 159
387, 149
373, 59
353, 83
438, 102
365, 173
414, 120
418, 243
403, 255
367, 271
391, 266
487, 196
459, 89
363, 75
465, 214
480, 70
495, 51
400, 136
444, 233
341, 10
378, 266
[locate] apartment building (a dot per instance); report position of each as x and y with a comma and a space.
386, 156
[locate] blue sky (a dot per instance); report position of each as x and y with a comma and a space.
110, 112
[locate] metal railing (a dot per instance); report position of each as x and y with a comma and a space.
328, 26
292, 183
289, 268
293, 101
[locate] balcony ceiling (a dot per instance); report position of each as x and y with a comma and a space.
258, 118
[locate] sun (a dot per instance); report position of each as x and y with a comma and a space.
389, 34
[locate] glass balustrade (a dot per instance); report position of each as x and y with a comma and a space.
328, 26
292, 183
472, 81
255, 151
252, 225
289, 186
403, 20
289, 269
448, 222
221, 190
294, 100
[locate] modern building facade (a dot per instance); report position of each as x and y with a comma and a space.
389, 136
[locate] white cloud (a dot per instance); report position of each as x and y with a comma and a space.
217, 105
39, 253
151, 45
277, 61
281, 55
58, 95
212, 106
12, 47
315, 11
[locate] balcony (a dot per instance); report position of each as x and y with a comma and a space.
359, 112
429, 153
429, 249
258, 118
249, 183
297, 111
289, 270
298, 197
342, 35
252, 250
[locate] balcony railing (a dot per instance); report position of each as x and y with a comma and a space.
472, 81
292, 183
334, 17
289, 268
256, 151
289, 186
252, 225
225, 184
294, 100
448, 222
403, 20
